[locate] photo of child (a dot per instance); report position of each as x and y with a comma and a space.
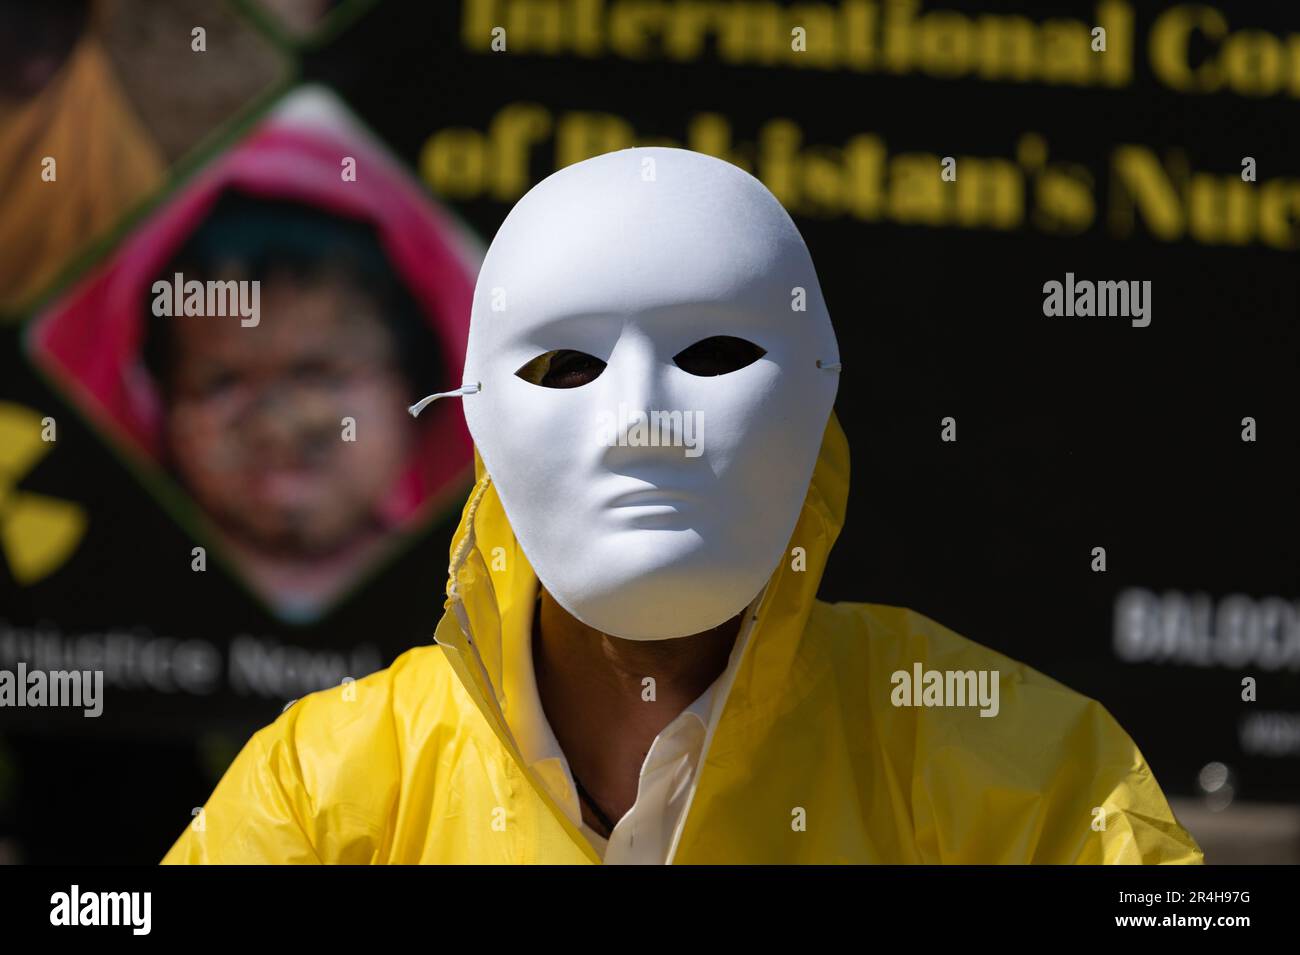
289, 431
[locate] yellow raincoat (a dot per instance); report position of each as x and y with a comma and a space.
810, 761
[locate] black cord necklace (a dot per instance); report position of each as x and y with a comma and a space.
599, 813
601, 816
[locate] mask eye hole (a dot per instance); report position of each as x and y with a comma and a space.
562, 368
718, 355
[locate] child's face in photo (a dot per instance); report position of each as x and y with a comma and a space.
256, 423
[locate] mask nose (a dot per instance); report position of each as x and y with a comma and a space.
633, 376
633, 379
639, 419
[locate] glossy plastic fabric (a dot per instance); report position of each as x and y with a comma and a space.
414, 764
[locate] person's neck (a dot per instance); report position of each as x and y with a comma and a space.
604, 715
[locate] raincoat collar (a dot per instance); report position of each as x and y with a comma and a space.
490, 584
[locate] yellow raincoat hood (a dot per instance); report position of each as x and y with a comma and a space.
810, 761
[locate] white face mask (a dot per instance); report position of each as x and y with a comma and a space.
588, 319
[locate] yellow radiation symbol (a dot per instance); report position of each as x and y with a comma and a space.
37, 533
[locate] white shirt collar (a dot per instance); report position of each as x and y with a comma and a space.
527, 719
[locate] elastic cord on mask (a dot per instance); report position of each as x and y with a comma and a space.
828, 365
423, 403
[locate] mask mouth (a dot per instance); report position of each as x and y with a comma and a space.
424, 402
650, 497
